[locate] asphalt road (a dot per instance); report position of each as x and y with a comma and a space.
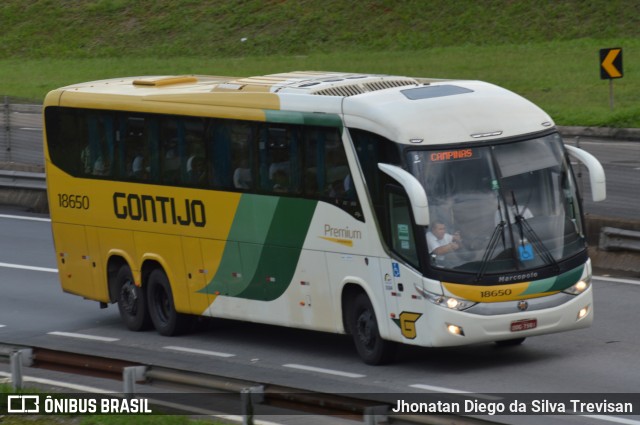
602, 359
621, 162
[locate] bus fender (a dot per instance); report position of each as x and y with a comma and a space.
355, 284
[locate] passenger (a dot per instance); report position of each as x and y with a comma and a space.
242, 176
139, 170
197, 171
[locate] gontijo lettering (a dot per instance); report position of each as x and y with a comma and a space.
159, 209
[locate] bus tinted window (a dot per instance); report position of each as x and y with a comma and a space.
222, 154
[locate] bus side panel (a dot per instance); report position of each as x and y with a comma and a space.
74, 265
167, 251
196, 272
97, 265
363, 271
123, 240
312, 296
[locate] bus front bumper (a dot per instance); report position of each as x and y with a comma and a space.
447, 327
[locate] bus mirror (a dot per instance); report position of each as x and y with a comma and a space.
596, 172
414, 189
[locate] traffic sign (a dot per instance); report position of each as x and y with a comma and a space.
611, 63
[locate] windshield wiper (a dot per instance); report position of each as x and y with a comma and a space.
526, 229
488, 252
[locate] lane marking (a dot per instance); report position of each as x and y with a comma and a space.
197, 351
2, 326
323, 370
612, 419
618, 280
22, 217
32, 268
453, 391
83, 336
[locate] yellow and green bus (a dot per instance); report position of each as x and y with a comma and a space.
395, 209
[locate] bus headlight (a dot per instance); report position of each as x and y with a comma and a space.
444, 301
579, 287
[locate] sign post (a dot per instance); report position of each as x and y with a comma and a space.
611, 68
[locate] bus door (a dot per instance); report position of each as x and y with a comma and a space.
399, 272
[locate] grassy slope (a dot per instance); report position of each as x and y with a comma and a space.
545, 50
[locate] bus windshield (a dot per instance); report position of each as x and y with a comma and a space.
500, 208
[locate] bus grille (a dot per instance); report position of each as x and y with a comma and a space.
359, 88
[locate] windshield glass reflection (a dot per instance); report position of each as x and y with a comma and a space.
502, 208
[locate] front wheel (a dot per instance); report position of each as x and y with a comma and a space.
132, 302
364, 328
165, 318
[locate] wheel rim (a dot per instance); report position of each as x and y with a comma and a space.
366, 329
129, 298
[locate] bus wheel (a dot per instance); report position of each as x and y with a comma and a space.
364, 328
162, 310
131, 301
510, 342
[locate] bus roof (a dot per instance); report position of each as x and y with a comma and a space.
404, 109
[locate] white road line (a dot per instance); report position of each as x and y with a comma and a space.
83, 336
2, 326
197, 351
323, 370
612, 419
453, 391
22, 217
618, 280
33, 268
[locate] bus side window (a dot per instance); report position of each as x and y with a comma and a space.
401, 230
242, 141
326, 170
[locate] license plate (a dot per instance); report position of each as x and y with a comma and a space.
523, 325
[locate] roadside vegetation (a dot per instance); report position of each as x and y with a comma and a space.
546, 51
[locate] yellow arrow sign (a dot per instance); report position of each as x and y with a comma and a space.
608, 66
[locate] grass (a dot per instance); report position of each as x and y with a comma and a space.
560, 76
546, 50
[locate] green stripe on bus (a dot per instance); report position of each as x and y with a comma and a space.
264, 246
556, 283
306, 118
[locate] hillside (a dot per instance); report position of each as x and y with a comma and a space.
115, 28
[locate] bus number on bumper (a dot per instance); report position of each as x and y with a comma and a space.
523, 325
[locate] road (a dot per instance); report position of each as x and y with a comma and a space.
601, 359
621, 162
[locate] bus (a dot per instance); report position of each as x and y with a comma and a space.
398, 210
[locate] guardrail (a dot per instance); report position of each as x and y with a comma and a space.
23, 180
244, 396
613, 239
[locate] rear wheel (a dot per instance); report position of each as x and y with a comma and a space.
165, 318
364, 328
132, 302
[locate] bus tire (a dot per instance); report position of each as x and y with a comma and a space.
165, 318
366, 335
510, 342
132, 303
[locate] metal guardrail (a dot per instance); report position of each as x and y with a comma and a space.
23, 180
249, 397
613, 239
